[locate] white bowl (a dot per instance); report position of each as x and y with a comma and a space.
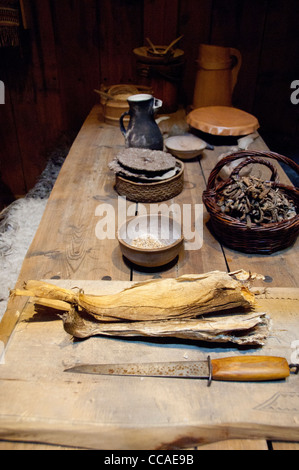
185, 146
138, 237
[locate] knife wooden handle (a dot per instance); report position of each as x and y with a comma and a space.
250, 368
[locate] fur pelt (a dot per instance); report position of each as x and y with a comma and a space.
18, 225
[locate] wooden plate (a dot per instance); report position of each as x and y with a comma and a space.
222, 120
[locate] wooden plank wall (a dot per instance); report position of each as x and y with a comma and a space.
71, 47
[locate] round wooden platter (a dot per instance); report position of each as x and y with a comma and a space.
222, 120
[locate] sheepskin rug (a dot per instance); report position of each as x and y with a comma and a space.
19, 222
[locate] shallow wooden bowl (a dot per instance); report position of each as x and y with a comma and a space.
158, 227
185, 146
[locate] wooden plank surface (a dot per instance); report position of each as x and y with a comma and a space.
66, 246
199, 256
162, 29
119, 33
236, 444
140, 413
285, 446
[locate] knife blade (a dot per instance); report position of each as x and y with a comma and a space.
237, 368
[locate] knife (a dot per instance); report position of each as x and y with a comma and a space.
239, 369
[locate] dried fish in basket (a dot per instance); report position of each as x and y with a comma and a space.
253, 200
251, 215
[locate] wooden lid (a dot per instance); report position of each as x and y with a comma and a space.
222, 120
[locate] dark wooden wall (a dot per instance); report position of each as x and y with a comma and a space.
74, 46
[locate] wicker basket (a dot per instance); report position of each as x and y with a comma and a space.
265, 238
151, 192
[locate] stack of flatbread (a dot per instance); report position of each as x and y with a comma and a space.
144, 165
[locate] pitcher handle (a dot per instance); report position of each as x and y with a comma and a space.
236, 69
157, 104
121, 123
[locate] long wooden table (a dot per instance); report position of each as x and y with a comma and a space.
40, 406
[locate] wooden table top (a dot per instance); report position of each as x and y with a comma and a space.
66, 246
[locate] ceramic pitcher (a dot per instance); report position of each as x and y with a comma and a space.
142, 131
218, 69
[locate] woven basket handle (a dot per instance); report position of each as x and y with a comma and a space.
253, 155
260, 161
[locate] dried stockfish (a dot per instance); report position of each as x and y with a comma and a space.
45, 290
251, 329
201, 307
184, 297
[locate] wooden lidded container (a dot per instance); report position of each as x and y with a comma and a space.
115, 101
161, 73
218, 69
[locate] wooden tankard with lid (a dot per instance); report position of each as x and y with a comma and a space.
218, 69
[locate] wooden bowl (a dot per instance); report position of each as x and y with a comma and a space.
147, 232
185, 146
145, 56
115, 103
160, 51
